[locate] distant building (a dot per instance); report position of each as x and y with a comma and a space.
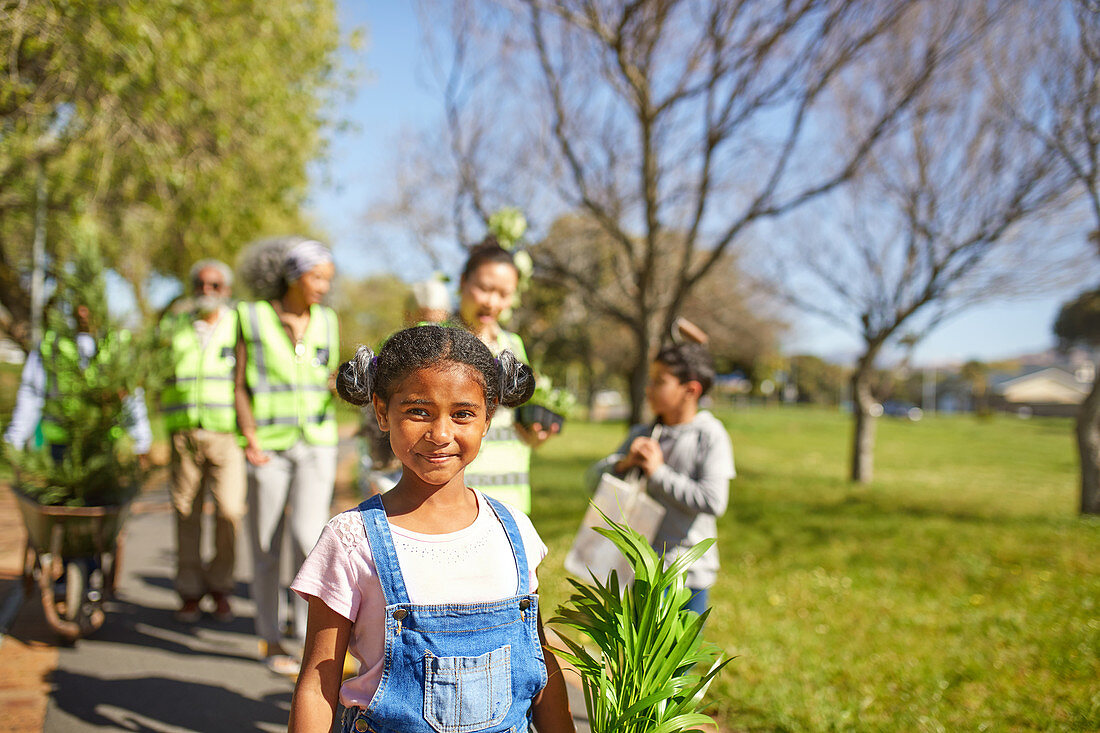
733, 383
1048, 391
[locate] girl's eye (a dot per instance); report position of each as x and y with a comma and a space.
464, 415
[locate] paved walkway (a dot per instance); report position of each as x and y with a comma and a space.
142, 671
27, 658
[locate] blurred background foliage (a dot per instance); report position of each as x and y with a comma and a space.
181, 129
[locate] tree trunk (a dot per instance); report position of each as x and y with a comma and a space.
16, 300
863, 440
1088, 447
591, 385
639, 376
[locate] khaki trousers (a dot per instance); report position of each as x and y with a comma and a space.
206, 463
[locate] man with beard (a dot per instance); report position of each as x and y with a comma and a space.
207, 458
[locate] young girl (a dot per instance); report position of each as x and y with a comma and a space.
431, 585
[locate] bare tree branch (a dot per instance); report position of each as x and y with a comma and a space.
678, 126
938, 217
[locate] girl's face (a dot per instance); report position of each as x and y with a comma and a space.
436, 418
315, 284
485, 293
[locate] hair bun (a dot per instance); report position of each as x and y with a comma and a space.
260, 266
355, 379
517, 380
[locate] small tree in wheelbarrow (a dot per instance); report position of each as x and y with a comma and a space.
77, 477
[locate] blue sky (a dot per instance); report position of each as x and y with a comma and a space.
393, 97
987, 333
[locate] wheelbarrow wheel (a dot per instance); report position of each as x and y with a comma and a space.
111, 562
30, 563
76, 587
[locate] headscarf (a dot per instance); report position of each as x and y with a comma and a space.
303, 257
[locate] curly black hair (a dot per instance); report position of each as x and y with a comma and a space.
689, 362
261, 265
506, 380
486, 252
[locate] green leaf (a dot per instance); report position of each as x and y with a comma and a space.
649, 644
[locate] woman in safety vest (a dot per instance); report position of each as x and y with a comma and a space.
486, 289
286, 355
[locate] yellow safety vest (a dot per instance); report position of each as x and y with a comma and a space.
200, 394
289, 382
503, 465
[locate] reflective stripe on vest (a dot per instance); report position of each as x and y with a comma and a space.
501, 469
201, 392
289, 383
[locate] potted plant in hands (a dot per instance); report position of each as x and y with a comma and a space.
643, 663
548, 406
74, 485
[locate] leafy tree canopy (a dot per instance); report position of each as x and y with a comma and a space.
182, 129
1079, 320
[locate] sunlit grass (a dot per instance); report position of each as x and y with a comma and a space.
960, 591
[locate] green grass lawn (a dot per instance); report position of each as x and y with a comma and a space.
960, 591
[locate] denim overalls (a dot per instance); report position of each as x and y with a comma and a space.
452, 668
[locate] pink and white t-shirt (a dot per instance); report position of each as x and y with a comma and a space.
472, 565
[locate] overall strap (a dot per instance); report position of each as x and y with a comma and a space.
381, 547
514, 538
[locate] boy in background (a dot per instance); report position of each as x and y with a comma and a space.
688, 467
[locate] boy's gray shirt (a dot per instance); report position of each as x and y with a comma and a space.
692, 485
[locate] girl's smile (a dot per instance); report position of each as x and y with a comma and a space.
436, 418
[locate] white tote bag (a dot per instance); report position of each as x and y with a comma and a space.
624, 501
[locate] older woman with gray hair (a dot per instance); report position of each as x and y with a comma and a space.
286, 355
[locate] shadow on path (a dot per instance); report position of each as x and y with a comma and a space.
157, 629
157, 704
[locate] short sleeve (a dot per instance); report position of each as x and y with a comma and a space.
329, 572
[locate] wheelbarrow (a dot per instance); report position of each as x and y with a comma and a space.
81, 545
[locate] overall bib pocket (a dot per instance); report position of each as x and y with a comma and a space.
463, 694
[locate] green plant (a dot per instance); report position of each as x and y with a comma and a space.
554, 399
651, 667
87, 404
